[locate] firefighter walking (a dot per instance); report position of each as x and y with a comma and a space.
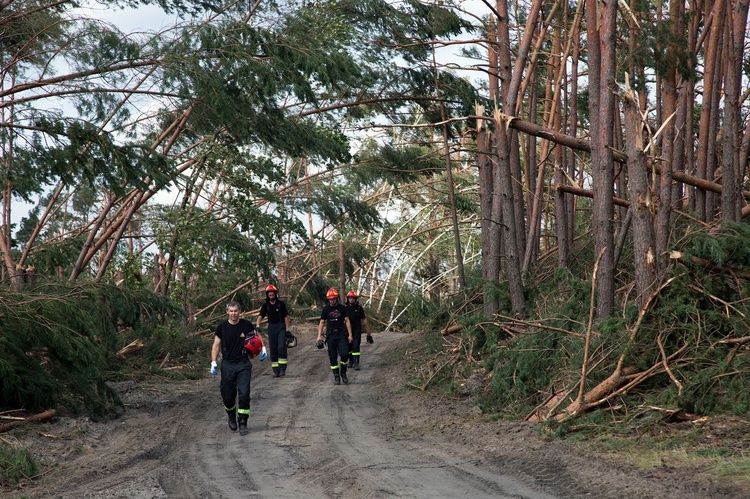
278, 324
236, 340
358, 321
338, 335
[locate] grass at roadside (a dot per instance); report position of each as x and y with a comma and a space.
710, 449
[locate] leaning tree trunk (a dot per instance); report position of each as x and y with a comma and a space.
572, 120
561, 218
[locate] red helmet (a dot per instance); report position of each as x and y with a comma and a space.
253, 345
332, 294
270, 288
351, 294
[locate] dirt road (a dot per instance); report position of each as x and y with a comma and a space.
311, 439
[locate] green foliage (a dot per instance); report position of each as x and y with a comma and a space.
423, 315
173, 342
214, 252
336, 204
705, 303
521, 371
396, 165
57, 343
729, 247
15, 465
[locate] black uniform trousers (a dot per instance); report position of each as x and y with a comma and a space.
338, 346
235, 382
277, 344
357, 342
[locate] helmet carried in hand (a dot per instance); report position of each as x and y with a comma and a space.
253, 345
291, 340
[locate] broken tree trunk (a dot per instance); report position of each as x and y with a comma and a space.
596, 395
130, 348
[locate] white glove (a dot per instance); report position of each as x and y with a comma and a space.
214, 368
263, 354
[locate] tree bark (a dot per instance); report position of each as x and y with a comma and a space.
602, 72
731, 176
512, 265
642, 201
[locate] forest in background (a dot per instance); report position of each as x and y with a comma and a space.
560, 213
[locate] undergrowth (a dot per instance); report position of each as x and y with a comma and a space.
16, 464
693, 415
58, 343
695, 326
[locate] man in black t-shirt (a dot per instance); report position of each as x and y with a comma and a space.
236, 368
338, 335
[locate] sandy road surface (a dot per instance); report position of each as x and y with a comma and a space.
311, 439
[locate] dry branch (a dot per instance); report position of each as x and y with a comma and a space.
36, 418
164, 362
589, 328
598, 394
665, 364
451, 359
676, 415
547, 407
550, 405
736, 341
518, 322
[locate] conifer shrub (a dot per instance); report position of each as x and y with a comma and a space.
16, 464
57, 343
420, 314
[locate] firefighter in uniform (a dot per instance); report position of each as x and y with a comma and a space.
278, 324
338, 335
236, 368
358, 320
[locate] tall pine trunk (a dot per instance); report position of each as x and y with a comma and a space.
601, 46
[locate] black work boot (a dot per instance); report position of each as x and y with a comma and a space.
350, 363
232, 419
282, 368
343, 375
336, 379
276, 372
356, 363
243, 424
